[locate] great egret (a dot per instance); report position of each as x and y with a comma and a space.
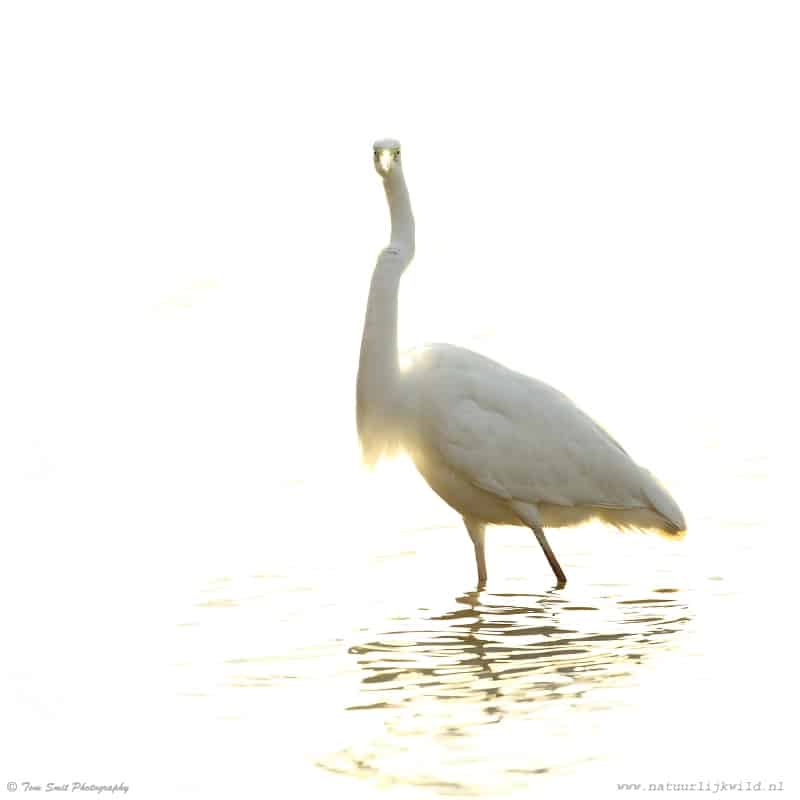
497, 446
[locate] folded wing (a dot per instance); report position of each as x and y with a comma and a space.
518, 438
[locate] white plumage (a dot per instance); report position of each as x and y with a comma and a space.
498, 446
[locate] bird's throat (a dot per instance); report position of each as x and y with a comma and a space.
402, 237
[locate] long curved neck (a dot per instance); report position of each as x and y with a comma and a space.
378, 368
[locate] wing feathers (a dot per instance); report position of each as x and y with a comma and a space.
519, 439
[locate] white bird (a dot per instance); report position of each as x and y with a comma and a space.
497, 446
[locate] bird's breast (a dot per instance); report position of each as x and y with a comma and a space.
460, 493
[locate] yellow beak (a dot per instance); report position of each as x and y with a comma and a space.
385, 158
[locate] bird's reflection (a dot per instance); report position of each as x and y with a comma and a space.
485, 691
502, 650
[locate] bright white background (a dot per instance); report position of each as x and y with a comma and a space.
606, 196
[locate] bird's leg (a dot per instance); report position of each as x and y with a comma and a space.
529, 515
477, 532
551, 557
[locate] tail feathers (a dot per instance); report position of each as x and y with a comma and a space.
661, 502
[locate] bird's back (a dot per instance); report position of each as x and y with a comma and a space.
471, 421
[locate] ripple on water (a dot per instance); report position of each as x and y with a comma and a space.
479, 694
454, 679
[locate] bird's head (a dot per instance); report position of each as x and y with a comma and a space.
387, 156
